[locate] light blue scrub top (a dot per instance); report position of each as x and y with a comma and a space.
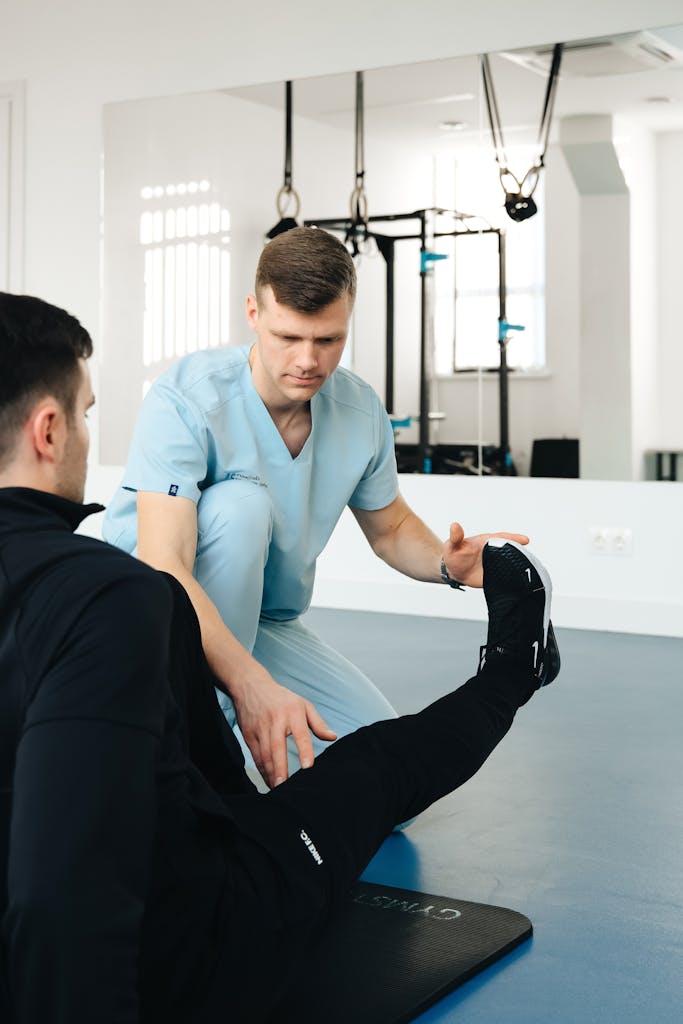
203, 422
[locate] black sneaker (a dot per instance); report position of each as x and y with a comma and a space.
518, 591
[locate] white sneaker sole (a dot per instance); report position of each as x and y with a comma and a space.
500, 542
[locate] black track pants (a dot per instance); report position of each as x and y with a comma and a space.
303, 844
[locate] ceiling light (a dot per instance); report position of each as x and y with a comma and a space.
458, 97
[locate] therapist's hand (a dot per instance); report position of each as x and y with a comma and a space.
462, 555
267, 714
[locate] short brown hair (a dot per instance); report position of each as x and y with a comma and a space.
40, 346
307, 268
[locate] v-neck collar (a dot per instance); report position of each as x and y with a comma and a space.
262, 411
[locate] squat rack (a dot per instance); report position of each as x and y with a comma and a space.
427, 236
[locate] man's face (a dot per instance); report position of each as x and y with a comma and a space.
74, 464
295, 352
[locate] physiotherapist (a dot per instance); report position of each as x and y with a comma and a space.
241, 464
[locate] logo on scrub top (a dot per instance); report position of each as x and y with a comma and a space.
173, 490
236, 474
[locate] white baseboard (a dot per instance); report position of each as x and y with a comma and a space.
406, 597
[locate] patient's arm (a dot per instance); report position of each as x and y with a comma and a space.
83, 811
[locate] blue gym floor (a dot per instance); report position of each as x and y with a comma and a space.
576, 820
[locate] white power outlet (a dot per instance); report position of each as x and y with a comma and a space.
611, 540
599, 539
621, 540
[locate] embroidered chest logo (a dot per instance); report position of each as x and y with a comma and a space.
237, 474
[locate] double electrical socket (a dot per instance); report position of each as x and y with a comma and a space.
611, 540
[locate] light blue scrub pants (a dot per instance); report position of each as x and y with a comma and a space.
235, 523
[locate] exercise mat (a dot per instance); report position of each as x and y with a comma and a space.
391, 953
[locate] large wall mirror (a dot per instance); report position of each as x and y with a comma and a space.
593, 278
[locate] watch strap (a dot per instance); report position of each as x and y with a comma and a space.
445, 578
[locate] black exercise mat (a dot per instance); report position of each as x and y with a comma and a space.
391, 953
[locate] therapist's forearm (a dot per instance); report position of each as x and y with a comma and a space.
267, 713
231, 663
412, 549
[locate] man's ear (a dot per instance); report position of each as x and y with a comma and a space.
252, 310
47, 430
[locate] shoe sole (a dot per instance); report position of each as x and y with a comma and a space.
501, 542
552, 658
551, 650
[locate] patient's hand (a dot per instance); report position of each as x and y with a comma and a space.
267, 714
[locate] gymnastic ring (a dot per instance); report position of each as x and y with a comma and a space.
506, 173
285, 194
359, 206
532, 175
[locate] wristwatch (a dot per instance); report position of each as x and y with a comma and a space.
445, 578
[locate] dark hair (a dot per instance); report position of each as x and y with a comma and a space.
307, 269
40, 346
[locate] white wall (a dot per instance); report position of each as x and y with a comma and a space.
670, 262
636, 593
603, 297
11, 186
637, 152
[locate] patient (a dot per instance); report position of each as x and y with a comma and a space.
143, 878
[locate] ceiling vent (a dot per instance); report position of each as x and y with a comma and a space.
615, 55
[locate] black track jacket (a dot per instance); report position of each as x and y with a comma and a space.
103, 817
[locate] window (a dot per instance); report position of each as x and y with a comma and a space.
466, 284
186, 239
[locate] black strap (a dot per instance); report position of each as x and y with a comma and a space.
546, 119
288, 136
287, 201
360, 131
358, 224
549, 103
494, 116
